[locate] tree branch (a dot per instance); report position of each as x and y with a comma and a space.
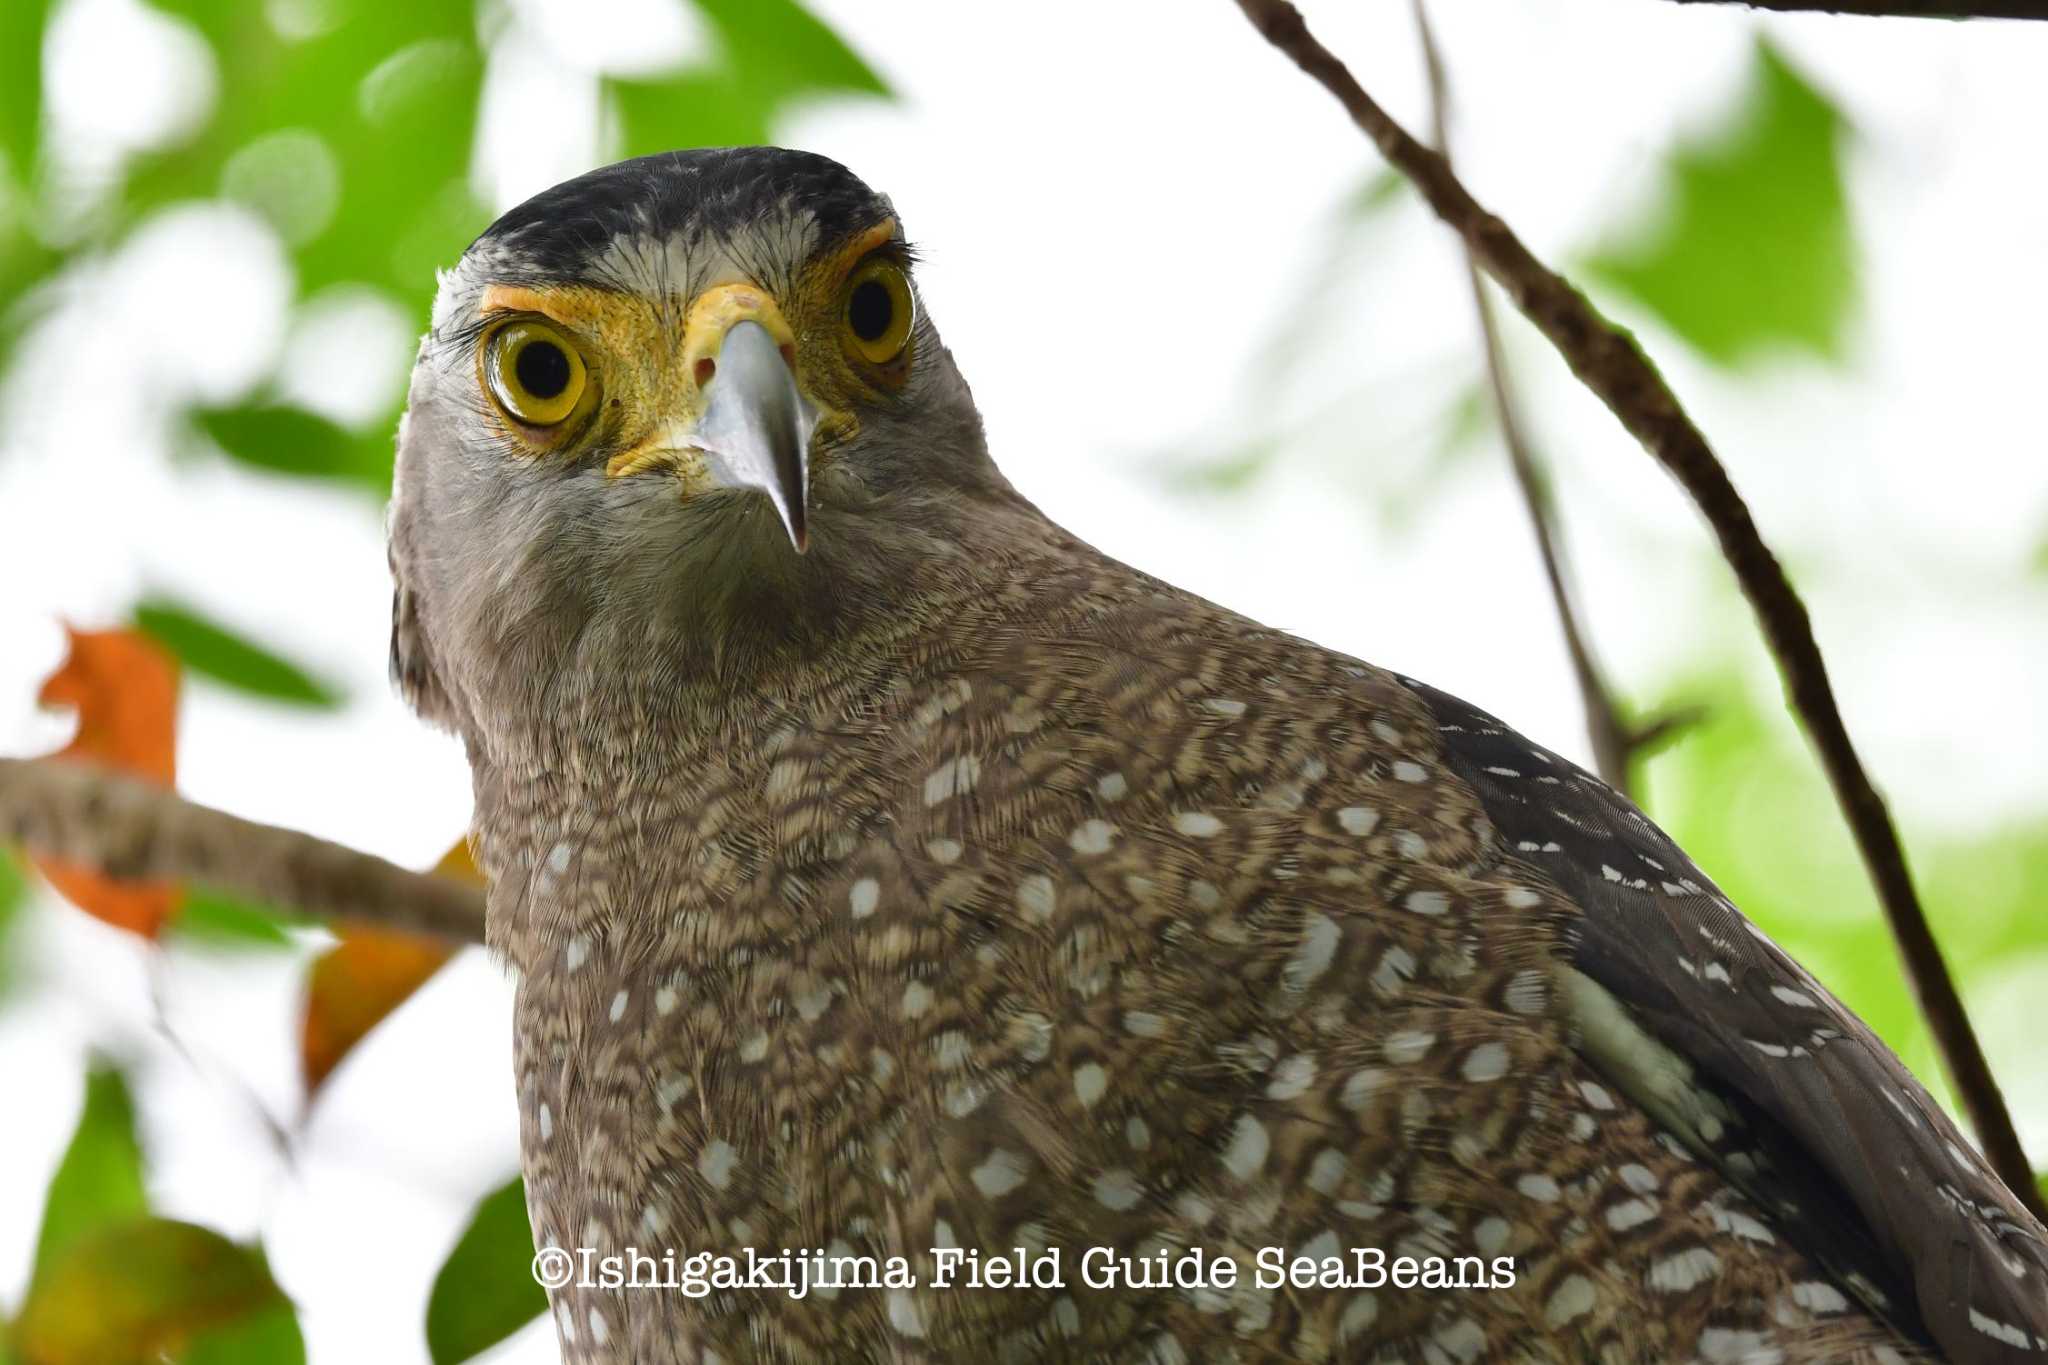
1899, 9
137, 831
1612, 742
1607, 361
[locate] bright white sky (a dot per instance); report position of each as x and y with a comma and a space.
1121, 207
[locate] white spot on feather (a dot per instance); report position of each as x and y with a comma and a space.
1630, 1213
864, 897
904, 1314
1487, 1062
716, 1163
955, 778
1118, 1190
1428, 902
1682, 1272
1002, 1172
1319, 940
1358, 820
1035, 897
1571, 1299
1092, 837
1246, 1153
1818, 1296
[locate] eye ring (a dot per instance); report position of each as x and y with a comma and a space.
878, 311
534, 373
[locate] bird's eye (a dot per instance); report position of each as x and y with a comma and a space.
534, 373
878, 311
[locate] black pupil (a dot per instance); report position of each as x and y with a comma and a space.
870, 310
543, 369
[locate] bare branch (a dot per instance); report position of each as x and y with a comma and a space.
1608, 362
1898, 9
137, 831
1612, 743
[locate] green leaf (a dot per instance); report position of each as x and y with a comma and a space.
221, 922
485, 1290
1754, 251
13, 900
99, 1181
294, 441
770, 52
22, 25
389, 91
140, 1291
267, 1336
216, 652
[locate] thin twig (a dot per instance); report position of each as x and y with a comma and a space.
1607, 361
1613, 744
1898, 9
137, 831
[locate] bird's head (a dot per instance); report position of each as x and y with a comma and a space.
686, 407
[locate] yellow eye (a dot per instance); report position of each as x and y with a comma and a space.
878, 311
534, 373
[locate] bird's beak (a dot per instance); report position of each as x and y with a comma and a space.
756, 429
744, 421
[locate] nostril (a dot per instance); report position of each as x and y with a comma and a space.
705, 369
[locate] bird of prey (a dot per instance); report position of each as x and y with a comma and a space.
905, 896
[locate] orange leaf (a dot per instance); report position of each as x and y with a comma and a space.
125, 690
363, 978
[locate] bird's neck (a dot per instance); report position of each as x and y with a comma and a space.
651, 789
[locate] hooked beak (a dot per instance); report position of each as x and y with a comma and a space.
743, 421
756, 429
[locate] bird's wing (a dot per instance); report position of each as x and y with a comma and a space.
1661, 939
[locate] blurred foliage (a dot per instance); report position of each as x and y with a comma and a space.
1752, 250
486, 1290
215, 652
772, 53
113, 1285
1398, 439
99, 1180
292, 441
123, 688
351, 134
1742, 793
13, 900
208, 920
157, 1290
356, 984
